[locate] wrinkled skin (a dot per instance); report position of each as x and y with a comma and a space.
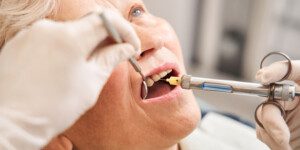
120, 119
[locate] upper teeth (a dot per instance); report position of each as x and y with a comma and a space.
156, 77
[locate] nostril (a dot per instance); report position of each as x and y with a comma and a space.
143, 54
147, 52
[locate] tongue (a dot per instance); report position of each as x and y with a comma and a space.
158, 89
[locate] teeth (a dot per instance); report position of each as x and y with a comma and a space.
169, 71
163, 74
156, 77
149, 82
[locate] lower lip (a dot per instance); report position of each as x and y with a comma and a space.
176, 92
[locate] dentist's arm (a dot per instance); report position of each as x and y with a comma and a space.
48, 79
279, 134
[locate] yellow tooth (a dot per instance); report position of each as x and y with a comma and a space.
149, 82
155, 77
163, 74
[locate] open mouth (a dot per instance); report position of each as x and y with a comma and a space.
157, 86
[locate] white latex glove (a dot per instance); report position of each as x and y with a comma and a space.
47, 80
278, 134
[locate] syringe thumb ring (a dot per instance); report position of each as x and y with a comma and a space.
268, 102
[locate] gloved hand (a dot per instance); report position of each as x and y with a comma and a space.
48, 78
279, 134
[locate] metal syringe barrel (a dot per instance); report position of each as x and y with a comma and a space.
283, 92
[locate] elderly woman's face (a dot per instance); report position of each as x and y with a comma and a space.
121, 117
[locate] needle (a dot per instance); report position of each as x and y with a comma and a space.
173, 80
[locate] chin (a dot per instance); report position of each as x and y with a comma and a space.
174, 118
181, 122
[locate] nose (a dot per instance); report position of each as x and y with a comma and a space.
152, 42
152, 39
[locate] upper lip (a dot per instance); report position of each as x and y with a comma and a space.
167, 66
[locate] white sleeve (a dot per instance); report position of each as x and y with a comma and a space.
217, 132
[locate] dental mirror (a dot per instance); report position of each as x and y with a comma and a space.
144, 90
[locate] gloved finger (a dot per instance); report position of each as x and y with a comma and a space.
274, 124
88, 32
289, 105
277, 71
125, 29
267, 139
258, 135
91, 30
264, 137
109, 57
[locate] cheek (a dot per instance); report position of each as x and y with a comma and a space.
173, 42
175, 47
118, 81
157, 33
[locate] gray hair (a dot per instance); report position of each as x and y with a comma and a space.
16, 15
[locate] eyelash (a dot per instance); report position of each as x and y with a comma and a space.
134, 9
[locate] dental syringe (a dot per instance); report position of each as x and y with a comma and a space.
277, 91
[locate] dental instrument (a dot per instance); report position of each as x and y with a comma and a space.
273, 91
116, 36
277, 91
